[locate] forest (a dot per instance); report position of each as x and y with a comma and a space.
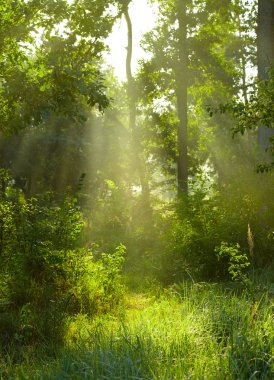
136, 212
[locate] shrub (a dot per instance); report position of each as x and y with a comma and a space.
45, 275
238, 262
190, 229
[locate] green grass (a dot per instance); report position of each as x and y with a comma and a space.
190, 332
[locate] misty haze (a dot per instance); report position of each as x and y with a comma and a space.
136, 189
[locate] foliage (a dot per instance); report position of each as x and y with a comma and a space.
51, 55
189, 230
257, 110
44, 276
62, 250
216, 66
238, 261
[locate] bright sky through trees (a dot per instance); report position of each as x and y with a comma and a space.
143, 17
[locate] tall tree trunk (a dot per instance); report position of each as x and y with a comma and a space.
265, 56
139, 160
181, 73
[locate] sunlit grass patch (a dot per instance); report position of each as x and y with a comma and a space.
202, 333
135, 301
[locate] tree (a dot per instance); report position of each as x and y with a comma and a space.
51, 77
254, 111
194, 61
265, 54
181, 85
50, 66
132, 96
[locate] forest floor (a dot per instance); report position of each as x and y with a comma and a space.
188, 332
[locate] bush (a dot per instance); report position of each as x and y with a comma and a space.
189, 230
45, 274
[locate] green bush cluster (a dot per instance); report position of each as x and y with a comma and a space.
183, 238
187, 234
45, 274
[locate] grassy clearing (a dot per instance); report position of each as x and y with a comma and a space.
197, 332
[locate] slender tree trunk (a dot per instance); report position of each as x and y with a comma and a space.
130, 80
139, 160
265, 56
181, 73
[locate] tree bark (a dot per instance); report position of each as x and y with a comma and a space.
181, 73
139, 160
265, 56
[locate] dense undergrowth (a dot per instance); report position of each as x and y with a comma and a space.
46, 274
66, 311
